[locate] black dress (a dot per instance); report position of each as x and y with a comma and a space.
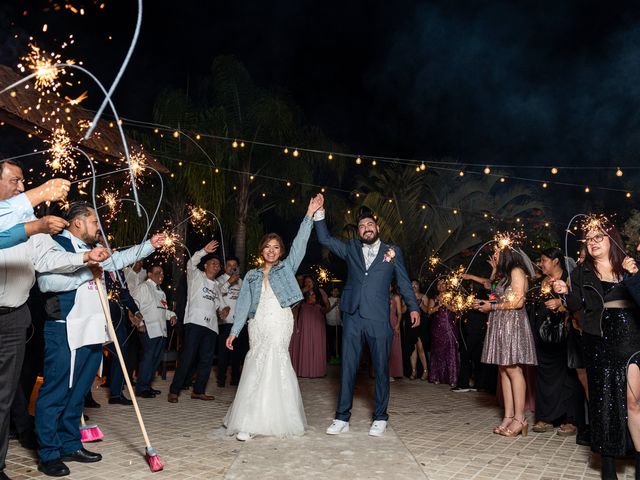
606, 360
559, 394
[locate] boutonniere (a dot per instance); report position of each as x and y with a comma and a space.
390, 256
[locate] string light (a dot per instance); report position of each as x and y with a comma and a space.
554, 171
358, 161
234, 144
487, 170
330, 156
619, 172
295, 153
545, 185
628, 194
461, 173
587, 189
423, 167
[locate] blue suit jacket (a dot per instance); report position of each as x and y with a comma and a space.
368, 290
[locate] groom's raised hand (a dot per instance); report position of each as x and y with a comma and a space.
415, 319
315, 204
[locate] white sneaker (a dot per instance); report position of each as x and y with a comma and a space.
378, 428
337, 427
244, 436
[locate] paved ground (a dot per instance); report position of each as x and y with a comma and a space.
434, 434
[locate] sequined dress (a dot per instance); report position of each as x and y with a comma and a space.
268, 400
606, 360
509, 340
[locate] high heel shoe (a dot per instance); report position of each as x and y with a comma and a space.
499, 429
524, 429
413, 375
425, 376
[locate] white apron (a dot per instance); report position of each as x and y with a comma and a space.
86, 322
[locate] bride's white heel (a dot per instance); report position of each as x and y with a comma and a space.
244, 436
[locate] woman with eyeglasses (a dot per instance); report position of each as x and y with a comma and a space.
610, 323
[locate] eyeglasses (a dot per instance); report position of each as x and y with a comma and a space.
597, 238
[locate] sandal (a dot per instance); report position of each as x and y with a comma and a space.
542, 427
499, 429
413, 375
524, 429
567, 430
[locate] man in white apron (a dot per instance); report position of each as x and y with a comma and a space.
155, 314
200, 323
73, 333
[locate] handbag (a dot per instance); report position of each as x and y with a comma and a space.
552, 330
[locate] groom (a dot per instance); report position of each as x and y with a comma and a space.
372, 266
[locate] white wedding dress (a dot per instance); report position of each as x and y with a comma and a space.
268, 400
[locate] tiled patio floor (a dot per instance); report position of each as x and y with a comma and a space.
434, 434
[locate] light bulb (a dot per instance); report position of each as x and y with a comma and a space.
487, 170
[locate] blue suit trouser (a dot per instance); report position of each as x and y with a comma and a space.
59, 407
200, 344
151, 356
378, 335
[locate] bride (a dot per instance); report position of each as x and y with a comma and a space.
268, 400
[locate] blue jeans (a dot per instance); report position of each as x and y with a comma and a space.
152, 352
200, 343
59, 407
378, 335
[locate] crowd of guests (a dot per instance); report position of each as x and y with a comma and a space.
557, 339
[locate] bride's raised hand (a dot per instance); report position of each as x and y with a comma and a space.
315, 204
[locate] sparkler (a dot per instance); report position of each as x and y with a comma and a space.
45, 67
199, 219
322, 275
62, 153
138, 165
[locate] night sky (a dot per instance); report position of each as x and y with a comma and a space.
542, 82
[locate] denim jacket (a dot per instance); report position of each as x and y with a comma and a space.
282, 278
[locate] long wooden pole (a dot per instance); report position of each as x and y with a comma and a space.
112, 334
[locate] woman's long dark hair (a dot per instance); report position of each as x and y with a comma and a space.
507, 261
554, 253
616, 255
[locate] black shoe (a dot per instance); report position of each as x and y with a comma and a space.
146, 394
3, 476
608, 468
120, 401
91, 403
584, 436
82, 456
54, 468
155, 392
28, 440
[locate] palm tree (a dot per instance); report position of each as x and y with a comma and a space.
428, 213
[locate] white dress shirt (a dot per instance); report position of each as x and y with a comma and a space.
152, 302
204, 297
230, 294
56, 282
19, 264
15, 210
370, 252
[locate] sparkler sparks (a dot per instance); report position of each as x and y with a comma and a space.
322, 275
199, 220
595, 223
433, 262
61, 149
454, 297
138, 165
507, 239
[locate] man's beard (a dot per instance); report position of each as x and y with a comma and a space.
369, 241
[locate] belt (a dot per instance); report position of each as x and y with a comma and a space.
8, 310
620, 304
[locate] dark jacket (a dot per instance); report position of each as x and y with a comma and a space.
587, 296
